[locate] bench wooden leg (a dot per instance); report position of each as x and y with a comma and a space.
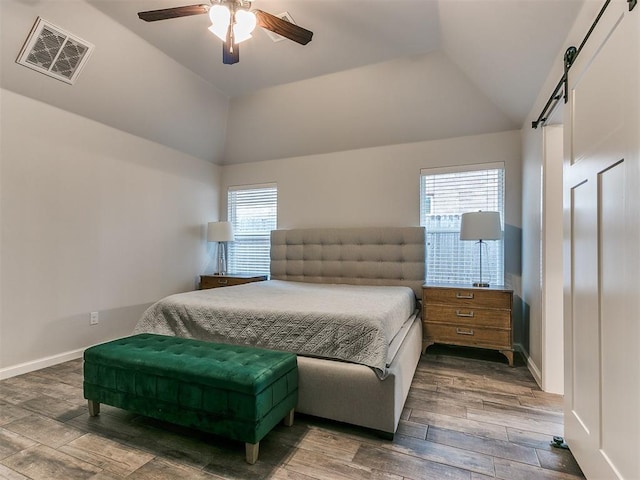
94, 408
288, 419
251, 450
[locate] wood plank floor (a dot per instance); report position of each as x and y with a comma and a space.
468, 416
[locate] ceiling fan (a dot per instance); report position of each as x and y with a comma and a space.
233, 21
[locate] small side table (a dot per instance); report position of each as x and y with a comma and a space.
216, 281
468, 316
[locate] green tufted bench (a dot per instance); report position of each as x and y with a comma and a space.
235, 391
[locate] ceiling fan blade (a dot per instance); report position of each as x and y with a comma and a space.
282, 27
166, 13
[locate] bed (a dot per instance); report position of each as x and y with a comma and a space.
344, 300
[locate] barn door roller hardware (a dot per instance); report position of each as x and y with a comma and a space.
562, 89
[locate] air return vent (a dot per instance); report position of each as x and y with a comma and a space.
54, 52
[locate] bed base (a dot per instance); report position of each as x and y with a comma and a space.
354, 394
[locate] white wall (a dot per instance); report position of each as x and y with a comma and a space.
93, 219
125, 83
551, 253
372, 186
533, 278
413, 99
532, 144
381, 186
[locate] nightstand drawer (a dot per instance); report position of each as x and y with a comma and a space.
468, 335
467, 315
216, 281
469, 297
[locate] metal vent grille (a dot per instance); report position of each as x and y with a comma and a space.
54, 52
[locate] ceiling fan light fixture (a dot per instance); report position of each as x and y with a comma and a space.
220, 17
245, 23
233, 21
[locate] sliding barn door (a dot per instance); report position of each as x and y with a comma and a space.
602, 250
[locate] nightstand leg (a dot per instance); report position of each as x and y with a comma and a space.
426, 344
509, 355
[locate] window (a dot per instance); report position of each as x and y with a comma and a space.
253, 212
447, 193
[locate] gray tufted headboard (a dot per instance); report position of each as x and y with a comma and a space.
358, 256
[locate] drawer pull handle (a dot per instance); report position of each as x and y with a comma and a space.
460, 331
464, 314
464, 295
222, 281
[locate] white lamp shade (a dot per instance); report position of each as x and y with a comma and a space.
480, 226
220, 232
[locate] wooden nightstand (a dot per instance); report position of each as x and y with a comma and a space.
215, 281
468, 316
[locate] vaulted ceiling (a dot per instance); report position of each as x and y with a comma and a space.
376, 72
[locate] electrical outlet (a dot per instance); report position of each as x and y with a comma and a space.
95, 319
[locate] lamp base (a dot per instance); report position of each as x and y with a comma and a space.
480, 284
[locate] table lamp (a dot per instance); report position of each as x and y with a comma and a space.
221, 232
480, 226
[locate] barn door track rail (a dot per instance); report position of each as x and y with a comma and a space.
562, 88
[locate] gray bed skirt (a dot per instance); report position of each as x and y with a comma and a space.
353, 393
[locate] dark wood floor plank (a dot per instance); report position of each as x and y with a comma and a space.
445, 454
548, 402
435, 406
508, 470
54, 408
45, 463
284, 473
159, 469
10, 413
411, 429
527, 412
516, 421
11, 443
15, 393
7, 473
483, 445
44, 430
493, 386
480, 394
530, 439
407, 466
559, 460
452, 397
479, 428
321, 466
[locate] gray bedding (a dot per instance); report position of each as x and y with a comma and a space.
343, 322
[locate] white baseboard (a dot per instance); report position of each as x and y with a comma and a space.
533, 368
27, 367
535, 372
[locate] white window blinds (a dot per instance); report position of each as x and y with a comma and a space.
445, 194
253, 212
